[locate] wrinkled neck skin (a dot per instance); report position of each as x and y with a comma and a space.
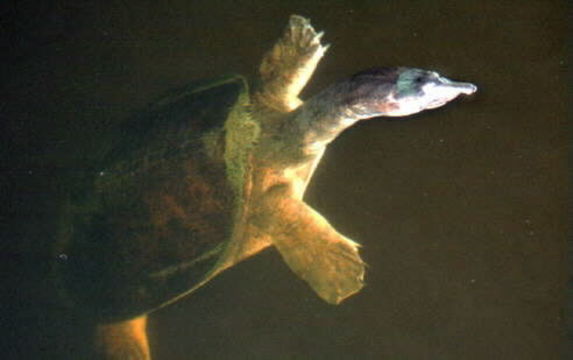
292, 144
321, 119
304, 133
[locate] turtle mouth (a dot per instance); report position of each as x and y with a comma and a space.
436, 103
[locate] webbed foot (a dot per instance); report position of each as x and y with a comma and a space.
326, 260
288, 66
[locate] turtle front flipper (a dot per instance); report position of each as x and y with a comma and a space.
326, 260
286, 68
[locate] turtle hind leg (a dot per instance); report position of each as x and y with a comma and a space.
288, 66
126, 340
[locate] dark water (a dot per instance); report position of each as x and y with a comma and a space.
462, 212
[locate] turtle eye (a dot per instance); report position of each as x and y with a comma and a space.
419, 80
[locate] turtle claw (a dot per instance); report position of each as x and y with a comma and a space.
288, 66
302, 37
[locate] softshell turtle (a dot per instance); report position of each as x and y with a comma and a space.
213, 174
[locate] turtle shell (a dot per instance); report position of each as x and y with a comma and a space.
154, 219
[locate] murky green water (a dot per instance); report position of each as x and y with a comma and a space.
462, 211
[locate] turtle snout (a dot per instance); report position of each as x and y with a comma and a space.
459, 87
442, 90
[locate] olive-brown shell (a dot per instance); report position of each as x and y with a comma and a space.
155, 217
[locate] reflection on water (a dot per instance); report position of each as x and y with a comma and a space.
459, 210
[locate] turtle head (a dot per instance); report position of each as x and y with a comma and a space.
400, 91
397, 91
